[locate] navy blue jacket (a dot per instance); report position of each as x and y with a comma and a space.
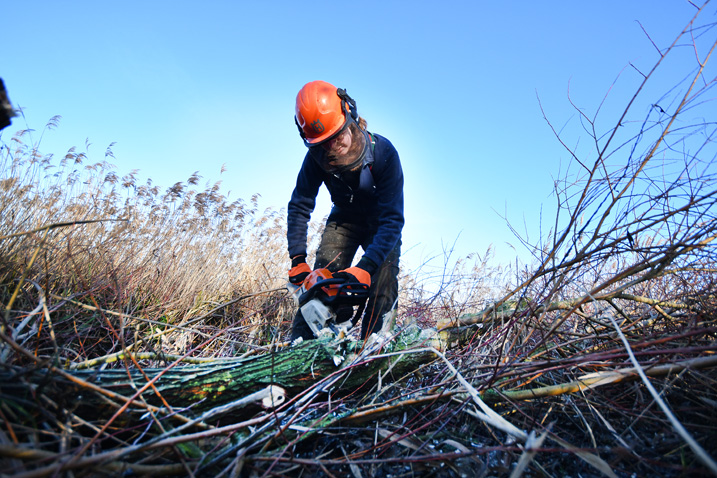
380, 207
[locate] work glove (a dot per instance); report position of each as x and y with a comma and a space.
354, 274
299, 270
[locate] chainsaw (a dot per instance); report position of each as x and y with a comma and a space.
321, 294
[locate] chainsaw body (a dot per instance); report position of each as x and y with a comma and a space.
321, 294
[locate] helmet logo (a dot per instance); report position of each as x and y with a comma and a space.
317, 126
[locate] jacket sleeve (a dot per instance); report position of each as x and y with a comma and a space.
301, 205
388, 177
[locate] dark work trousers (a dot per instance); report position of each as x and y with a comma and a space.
339, 244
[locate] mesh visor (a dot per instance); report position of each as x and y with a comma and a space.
343, 151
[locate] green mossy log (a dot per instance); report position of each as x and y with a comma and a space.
213, 384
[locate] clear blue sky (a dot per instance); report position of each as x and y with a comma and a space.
184, 86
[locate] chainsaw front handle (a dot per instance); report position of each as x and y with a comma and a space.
342, 292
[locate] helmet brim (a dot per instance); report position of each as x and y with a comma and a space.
326, 137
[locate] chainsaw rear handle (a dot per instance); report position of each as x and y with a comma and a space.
350, 293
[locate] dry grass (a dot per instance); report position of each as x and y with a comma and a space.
156, 256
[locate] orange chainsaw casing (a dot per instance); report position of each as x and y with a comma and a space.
317, 276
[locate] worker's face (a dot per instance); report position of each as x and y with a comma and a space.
342, 152
339, 146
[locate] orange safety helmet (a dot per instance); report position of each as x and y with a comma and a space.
321, 111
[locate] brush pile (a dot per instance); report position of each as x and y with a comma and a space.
139, 338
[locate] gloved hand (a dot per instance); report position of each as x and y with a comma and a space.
354, 274
299, 270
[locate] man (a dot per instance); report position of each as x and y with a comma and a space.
363, 174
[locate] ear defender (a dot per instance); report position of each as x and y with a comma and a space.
346, 99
